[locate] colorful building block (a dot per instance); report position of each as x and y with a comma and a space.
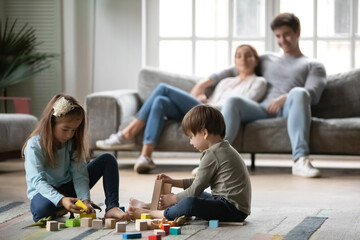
120, 227
132, 235
61, 225
81, 204
159, 232
110, 223
88, 215
141, 225
213, 223
145, 216
97, 223
154, 237
52, 226
74, 222
166, 228
175, 231
86, 222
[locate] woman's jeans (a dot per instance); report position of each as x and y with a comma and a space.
296, 108
206, 207
105, 166
165, 102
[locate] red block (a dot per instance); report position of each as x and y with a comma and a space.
166, 228
155, 237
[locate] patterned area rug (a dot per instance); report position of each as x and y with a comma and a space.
262, 224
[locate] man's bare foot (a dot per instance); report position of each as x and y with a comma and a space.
138, 204
118, 214
135, 213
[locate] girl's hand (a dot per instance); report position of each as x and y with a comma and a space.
167, 200
165, 178
89, 208
69, 204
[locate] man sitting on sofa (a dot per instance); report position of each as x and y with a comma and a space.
295, 82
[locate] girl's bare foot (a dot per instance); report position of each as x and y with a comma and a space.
135, 213
118, 214
138, 204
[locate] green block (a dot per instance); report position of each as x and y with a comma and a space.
75, 222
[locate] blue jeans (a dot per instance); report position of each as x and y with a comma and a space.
105, 166
237, 111
206, 207
165, 102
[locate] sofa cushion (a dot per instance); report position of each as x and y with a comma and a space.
341, 96
150, 78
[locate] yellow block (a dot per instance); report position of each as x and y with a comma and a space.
89, 215
81, 204
145, 216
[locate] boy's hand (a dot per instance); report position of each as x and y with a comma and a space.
167, 200
69, 204
165, 178
89, 208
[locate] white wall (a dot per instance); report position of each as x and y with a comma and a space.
117, 44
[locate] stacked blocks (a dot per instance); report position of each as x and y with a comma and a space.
213, 223
52, 226
132, 235
175, 230
75, 222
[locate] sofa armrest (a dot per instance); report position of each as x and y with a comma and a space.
106, 110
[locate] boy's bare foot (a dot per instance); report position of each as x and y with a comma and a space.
118, 214
138, 204
135, 213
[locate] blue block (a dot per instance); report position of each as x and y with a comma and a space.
213, 223
132, 235
175, 231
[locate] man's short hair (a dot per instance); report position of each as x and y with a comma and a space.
201, 117
286, 19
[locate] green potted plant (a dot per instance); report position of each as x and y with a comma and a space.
19, 60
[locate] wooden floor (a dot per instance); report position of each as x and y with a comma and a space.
275, 191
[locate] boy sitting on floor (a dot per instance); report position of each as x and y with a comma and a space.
221, 167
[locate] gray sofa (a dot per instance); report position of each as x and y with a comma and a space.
335, 127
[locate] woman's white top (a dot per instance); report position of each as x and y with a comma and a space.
253, 87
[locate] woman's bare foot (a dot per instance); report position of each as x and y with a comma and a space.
138, 204
118, 214
135, 213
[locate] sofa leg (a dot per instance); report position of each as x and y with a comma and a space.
252, 167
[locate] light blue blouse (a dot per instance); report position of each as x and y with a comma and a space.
40, 177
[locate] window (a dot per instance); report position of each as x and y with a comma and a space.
199, 37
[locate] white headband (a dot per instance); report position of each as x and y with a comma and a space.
62, 106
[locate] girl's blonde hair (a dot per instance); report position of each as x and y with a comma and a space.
45, 129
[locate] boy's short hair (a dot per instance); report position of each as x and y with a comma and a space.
201, 117
286, 19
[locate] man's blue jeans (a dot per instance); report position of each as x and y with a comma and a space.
105, 166
165, 102
296, 108
206, 207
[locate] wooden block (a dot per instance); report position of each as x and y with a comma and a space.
61, 225
233, 223
154, 237
145, 216
159, 188
149, 225
213, 223
110, 223
132, 235
159, 232
175, 231
120, 227
86, 222
166, 228
97, 223
141, 224
74, 222
81, 204
88, 215
52, 226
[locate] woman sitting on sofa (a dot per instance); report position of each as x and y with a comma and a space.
168, 102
